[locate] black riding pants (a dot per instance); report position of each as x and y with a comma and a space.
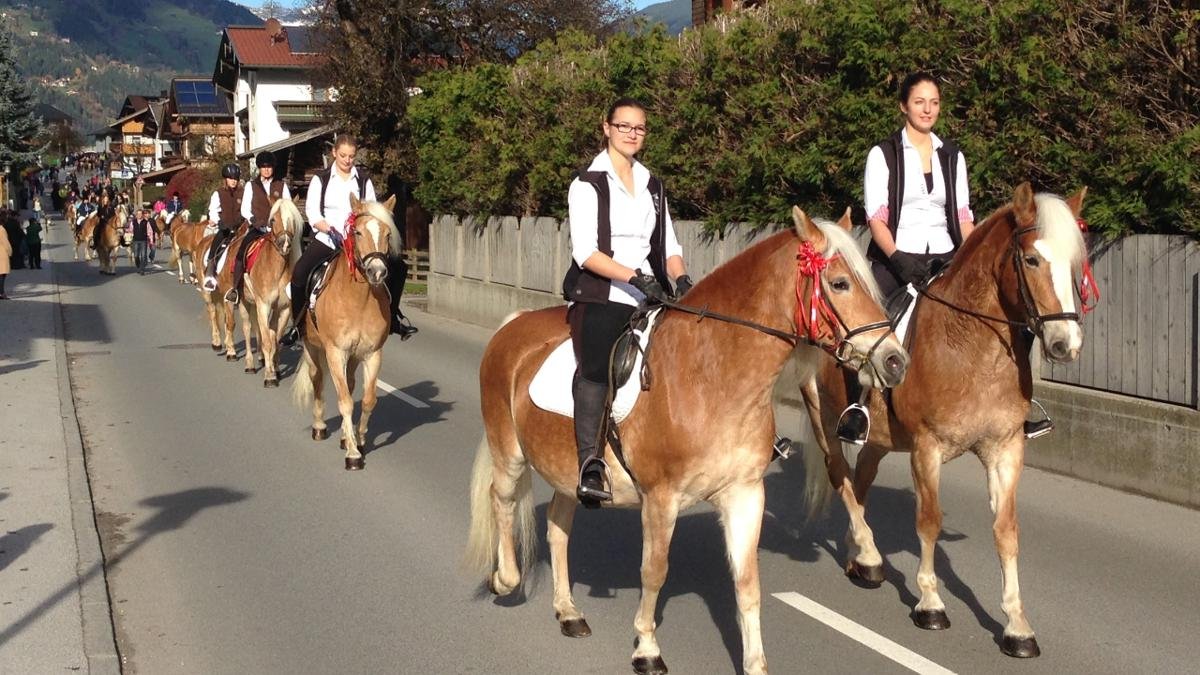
222, 236
316, 252
595, 328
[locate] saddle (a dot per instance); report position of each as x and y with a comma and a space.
318, 280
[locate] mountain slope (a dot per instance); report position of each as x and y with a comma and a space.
87, 55
676, 14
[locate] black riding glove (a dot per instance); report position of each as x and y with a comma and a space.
649, 286
908, 268
683, 284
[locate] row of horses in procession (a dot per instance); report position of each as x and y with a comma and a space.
802, 301
352, 304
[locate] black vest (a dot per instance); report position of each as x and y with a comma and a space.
327, 173
231, 208
893, 156
581, 285
261, 200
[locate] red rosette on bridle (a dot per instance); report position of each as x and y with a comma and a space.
348, 245
1089, 291
809, 264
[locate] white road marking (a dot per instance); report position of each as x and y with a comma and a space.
902, 655
389, 389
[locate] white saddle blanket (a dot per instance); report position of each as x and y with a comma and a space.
221, 262
901, 329
551, 386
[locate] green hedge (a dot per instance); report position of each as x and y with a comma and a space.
779, 106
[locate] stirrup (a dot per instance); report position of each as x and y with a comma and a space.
591, 495
1038, 428
782, 448
210, 284
854, 425
402, 327
291, 337
231, 296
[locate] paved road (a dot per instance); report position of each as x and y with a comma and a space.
236, 544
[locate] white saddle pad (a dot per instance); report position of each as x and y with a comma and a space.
221, 262
901, 329
551, 386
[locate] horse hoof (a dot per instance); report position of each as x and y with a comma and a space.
931, 619
216, 348
231, 357
271, 383
320, 434
250, 371
355, 463
649, 666
868, 576
1020, 647
575, 628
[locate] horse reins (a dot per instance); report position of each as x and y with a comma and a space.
1088, 292
810, 264
356, 263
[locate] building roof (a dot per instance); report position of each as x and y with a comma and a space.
197, 97
49, 114
294, 139
254, 47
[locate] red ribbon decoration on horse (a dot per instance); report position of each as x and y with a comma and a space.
810, 263
1089, 291
348, 245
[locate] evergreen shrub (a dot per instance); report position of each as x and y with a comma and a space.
778, 106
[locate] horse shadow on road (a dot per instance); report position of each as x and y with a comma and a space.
171, 511
394, 418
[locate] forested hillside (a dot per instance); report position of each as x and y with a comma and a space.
85, 56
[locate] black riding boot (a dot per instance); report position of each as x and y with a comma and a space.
397, 275
590, 398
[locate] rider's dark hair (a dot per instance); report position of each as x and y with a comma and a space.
623, 102
913, 80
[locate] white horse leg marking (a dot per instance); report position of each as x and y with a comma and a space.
926, 471
1003, 474
741, 508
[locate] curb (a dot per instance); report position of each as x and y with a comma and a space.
99, 643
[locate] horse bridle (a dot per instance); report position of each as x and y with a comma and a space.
810, 266
1035, 321
358, 264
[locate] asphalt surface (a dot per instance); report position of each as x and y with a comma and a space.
235, 544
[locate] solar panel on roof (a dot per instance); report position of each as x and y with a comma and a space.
199, 97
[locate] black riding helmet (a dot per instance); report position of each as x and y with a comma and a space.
231, 170
266, 158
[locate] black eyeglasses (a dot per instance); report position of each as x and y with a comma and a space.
625, 127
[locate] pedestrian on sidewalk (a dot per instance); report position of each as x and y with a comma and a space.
16, 240
33, 242
5, 255
143, 237
37, 208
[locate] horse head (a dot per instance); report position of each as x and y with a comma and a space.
373, 237
835, 286
1047, 249
285, 221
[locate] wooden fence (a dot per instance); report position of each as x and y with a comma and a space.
418, 265
1142, 338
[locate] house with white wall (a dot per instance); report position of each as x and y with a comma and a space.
267, 73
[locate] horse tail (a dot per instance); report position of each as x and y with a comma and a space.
480, 557
302, 386
816, 481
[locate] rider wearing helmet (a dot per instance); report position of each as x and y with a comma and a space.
257, 199
224, 210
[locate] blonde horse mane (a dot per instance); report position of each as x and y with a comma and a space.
291, 218
1058, 228
840, 242
379, 212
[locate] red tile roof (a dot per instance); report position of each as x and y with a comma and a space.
255, 47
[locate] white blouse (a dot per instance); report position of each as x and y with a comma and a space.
922, 227
631, 224
337, 202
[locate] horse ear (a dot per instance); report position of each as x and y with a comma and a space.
844, 222
390, 203
806, 229
1075, 201
1024, 207
355, 203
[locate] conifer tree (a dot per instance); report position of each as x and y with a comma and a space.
18, 125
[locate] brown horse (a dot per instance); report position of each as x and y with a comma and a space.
83, 236
967, 390
703, 431
351, 324
109, 240
70, 214
185, 238
267, 280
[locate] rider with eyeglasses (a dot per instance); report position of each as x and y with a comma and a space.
620, 227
